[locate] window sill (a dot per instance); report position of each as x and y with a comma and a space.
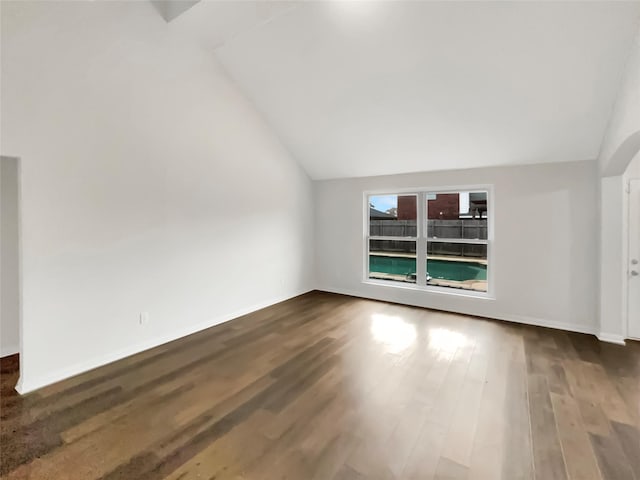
430, 289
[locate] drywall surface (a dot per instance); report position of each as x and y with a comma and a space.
170, 9
620, 145
622, 137
544, 254
149, 184
633, 170
360, 88
613, 251
9, 258
614, 241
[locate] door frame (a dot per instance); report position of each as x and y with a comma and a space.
626, 254
20, 346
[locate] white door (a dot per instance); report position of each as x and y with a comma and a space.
634, 259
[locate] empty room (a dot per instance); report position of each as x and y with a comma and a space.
319, 240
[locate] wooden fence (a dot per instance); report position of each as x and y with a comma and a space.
470, 229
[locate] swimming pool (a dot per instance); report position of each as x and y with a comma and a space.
440, 269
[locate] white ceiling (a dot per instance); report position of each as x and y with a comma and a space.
171, 9
369, 88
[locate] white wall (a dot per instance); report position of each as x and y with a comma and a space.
617, 317
633, 170
613, 246
622, 138
9, 258
149, 184
544, 254
614, 255
620, 144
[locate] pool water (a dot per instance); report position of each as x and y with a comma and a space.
443, 269
458, 271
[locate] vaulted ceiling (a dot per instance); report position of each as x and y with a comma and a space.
367, 88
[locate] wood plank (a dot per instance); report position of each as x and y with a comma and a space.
576, 447
611, 459
518, 450
304, 389
488, 445
547, 453
629, 438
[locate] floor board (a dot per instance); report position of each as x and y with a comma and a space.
325, 387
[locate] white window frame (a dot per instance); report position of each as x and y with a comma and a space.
422, 239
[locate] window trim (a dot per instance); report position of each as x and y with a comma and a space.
421, 239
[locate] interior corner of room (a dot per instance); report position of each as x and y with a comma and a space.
109, 236
168, 167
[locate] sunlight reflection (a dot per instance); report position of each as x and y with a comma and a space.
446, 341
393, 332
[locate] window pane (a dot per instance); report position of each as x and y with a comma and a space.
393, 260
393, 215
457, 215
457, 265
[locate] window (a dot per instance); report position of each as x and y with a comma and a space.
449, 230
393, 236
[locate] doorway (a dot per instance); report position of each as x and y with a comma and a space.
9, 257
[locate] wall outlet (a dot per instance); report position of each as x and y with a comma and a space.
144, 318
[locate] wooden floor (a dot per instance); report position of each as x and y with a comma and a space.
332, 387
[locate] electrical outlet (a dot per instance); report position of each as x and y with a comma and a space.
144, 318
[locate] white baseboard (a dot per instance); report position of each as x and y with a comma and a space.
611, 338
7, 350
30, 384
538, 322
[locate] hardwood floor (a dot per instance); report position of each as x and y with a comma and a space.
325, 386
